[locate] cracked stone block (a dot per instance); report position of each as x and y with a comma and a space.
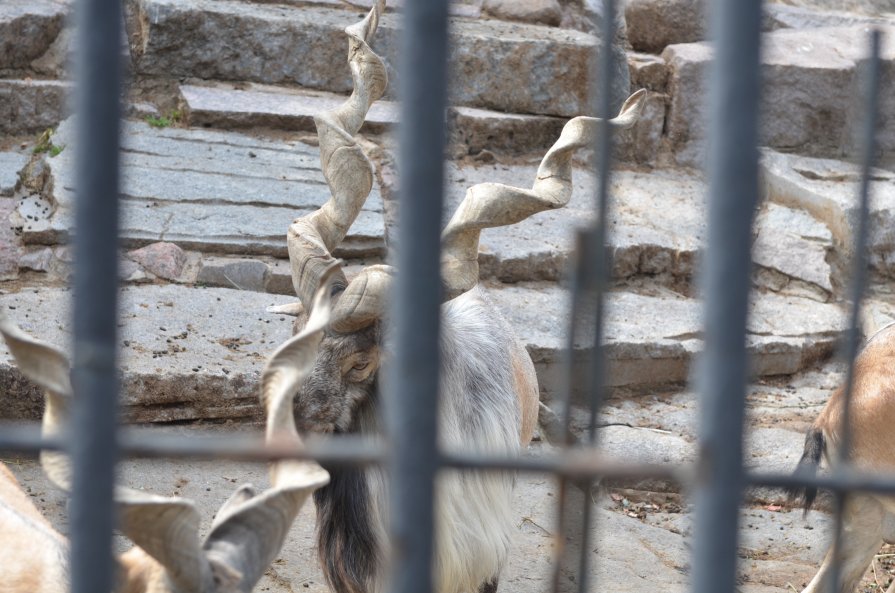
810, 80
653, 340
496, 65
647, 71
792, 248
32, 106
242, 274
656, 24
28, 29
828, 190
208, 191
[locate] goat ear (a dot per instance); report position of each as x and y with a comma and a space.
251, 530
48, 367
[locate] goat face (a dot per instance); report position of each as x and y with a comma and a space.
344, 376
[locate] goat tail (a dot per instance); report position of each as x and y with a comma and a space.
815, 449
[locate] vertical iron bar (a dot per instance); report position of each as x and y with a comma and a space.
571, 529
599, 280
94, 378
412, 396
867, 147
726, 272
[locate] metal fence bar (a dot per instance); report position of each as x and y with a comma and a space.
726, 280
867, 147
599, 279
94, 371
412, 389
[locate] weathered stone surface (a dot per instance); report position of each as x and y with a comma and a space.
208, 191
784, 16
241, 274
868, 7
36, 259
809, 106
163, 259
595, 10
828, 189
27, 29
647, 71
543, 12
222, 105
655, 24
495, 64
31, 106
474, 130
187, 353
663, 247
792, 248
10, 165
653, 340
643, 142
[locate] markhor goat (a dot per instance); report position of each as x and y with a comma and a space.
489, 392
869, 520
246, 535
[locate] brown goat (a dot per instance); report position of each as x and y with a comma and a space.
869, 520
247, 533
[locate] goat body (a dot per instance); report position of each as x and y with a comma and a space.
869, 520
33, 555
489, 404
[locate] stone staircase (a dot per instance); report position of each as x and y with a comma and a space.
220, 154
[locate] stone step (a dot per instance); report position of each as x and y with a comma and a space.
27, 30
495, 64
190, 353
204, 190
249, 105
652, 340
828, 189
657, 230
810, 84
32, 106
186, 353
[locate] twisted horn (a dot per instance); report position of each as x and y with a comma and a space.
250, 529
165, 528
495, 204
311, 239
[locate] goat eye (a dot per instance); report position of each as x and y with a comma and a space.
360, 366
